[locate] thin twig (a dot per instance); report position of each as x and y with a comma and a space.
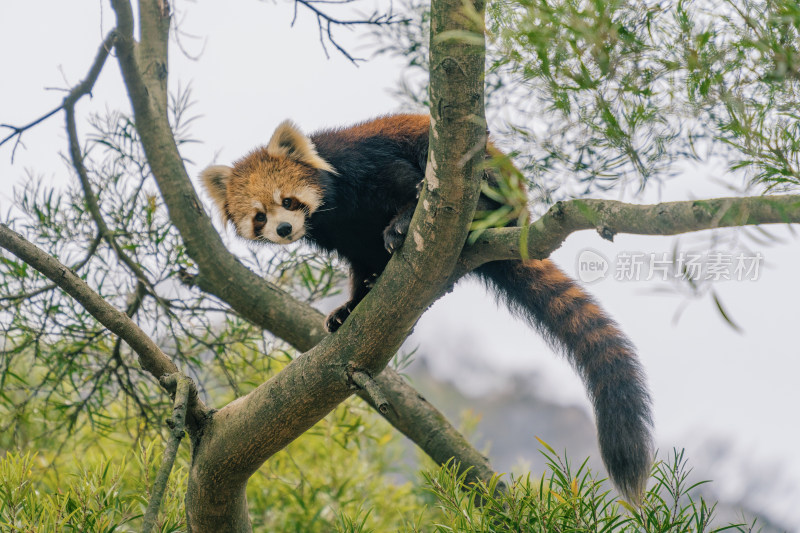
176, 423
17, 131
76, 156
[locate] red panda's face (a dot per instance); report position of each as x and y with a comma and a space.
270, 199
269, 195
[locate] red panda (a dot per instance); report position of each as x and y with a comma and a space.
353, 191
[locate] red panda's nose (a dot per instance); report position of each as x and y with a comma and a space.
284, 229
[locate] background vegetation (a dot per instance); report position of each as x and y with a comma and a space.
350, 473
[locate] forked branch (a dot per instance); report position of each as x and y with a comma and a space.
250, 295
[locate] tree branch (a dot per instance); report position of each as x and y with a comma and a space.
375, 330
181, 385
17, 131
220, 273
50, 286
610, 217
429, 429
411, 413
80, 90
85, 87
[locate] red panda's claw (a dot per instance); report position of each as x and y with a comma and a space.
392, 239
337, 317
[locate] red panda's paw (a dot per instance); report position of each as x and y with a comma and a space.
337, 317
392, 241
395, 232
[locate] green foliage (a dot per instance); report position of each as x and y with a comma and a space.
508, 190
88, 493
90, 501
595, 94
99, 478
563, 500
345, 474
340, 478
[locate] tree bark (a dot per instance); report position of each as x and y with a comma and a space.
182, 385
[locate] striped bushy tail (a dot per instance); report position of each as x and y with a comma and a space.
552, 302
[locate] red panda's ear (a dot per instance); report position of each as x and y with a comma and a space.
288, 141
215, 180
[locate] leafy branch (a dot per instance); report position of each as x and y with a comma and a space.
152, 359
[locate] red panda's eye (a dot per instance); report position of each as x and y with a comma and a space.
261, 217
290, 203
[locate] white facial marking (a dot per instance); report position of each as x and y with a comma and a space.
310, 198
244, 227
276, 195
258, 206
279, 215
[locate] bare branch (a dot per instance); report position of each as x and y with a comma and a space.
327, 22
85, 86
17, 131
414, 417
375, 19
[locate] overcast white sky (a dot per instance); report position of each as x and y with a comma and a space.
255, 71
